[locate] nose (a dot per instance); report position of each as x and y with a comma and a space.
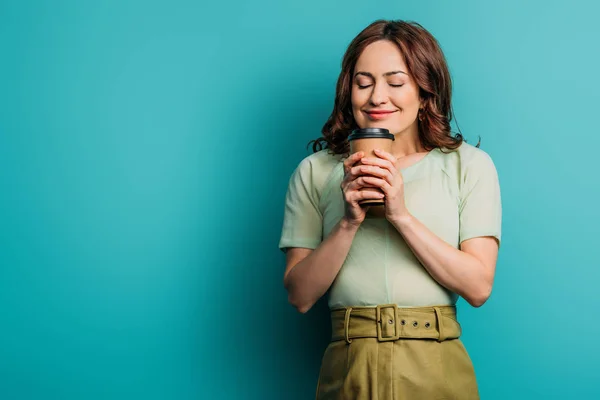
379, 95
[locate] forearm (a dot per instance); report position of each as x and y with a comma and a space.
452, 268
310, 279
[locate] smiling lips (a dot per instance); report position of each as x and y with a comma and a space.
379, 114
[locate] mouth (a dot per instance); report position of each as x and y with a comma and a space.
378, 114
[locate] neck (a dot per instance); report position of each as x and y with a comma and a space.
407, 142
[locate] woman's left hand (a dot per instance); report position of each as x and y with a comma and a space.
386, 175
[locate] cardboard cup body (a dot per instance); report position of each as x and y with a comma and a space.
368, 145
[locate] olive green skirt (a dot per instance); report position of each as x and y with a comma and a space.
386, 352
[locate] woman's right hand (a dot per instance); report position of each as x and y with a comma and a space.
354, 189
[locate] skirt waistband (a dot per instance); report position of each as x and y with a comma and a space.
388, 322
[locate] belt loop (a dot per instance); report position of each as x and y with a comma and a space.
438, 314
347, 325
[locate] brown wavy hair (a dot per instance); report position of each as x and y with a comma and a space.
427, 65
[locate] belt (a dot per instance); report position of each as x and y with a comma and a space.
388, 322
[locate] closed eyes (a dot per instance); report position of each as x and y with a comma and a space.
366, 86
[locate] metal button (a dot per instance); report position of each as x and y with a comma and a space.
427, 324
415, 324
391, 321
403, 322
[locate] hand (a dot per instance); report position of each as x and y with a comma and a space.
352, 189
386, 175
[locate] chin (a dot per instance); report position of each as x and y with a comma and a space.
374, 124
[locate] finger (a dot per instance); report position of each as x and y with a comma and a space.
347, 180
358, 184
348, 177
365, 195
380, 183
380, 162
348, 189
350, 161
377, 171
355, 172
385, 155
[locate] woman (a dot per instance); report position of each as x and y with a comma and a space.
393, 282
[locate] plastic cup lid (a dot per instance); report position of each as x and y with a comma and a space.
364, 133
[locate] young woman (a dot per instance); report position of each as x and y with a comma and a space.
393, 282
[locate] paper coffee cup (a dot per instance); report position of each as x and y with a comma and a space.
367, 140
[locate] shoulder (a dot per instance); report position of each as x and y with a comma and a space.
471, 155
467, 158
320, 161
315, 169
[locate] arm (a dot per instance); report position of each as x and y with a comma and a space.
469, 272
310, 273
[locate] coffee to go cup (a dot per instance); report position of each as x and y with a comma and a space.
367, 140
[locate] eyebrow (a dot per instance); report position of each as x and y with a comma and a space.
386, 74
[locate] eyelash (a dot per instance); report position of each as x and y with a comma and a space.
364, 87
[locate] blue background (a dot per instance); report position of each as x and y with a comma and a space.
145, 150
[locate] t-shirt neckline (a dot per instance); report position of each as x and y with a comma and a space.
421, 161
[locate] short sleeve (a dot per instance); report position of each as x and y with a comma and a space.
480, 204
302, 220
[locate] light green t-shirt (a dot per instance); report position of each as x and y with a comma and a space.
456, 195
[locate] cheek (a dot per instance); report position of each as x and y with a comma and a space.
356, 106
354, 100
407, 100
408, 106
